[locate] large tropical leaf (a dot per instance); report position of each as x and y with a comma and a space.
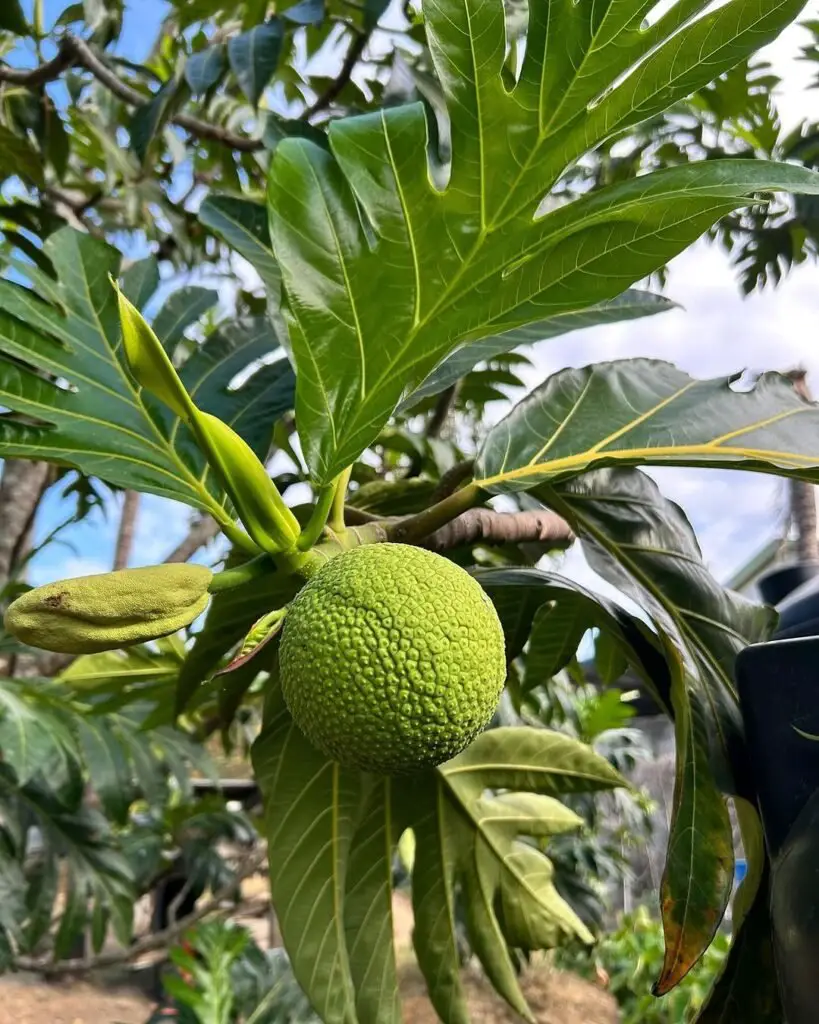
385, 274
553, 613
242, 223
73, 401
644, 545
98, 878
334, 832
631, 305
646, 411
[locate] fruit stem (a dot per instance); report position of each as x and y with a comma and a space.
416, 528
241, 574
318, 517
336, 523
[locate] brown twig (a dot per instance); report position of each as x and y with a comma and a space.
149, 943
440, 414
75, 51
201, 533
334, 89
490, 527
46, 72
453, 478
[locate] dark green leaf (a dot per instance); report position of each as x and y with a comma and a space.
644, 411
277, 128
105, 425
180, 310
18, 158
73, 920
699, 868
230, 615
57, 140
12, 18
368, 907
107, 765
334, 832
254, 55
204, 69
29, 735
748, 988
312, 807
644, 546
629, 306
253, 408
140, 281
149, 119
556, 634
520, 595
361, 229
70, 14
373, 9
305, 12
243, 225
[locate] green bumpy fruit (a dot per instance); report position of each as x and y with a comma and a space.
110, 610
392, 659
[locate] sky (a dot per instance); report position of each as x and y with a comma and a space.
715, 332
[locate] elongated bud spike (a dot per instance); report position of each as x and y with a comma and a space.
110, 610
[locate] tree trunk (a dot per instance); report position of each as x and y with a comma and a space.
803, 495
127, 528
202, 532
21, 488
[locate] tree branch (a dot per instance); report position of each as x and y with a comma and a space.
201, 533
453, 478
47, 72
148, 943
334, 89
21, 488
490, 527
127, 528
75, 51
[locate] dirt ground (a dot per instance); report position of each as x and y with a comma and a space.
25, 1002
555, 998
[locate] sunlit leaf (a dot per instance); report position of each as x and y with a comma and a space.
73, 400
631, 305
363, 228
645, 411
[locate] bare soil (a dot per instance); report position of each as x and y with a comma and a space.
29, 1002
555, 997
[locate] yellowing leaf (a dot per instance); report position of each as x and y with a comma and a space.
646, 411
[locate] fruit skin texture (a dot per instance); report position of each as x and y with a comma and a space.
392, 659
110, 610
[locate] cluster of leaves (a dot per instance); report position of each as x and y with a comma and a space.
734, 117
629, 958
98, 853
222, 977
